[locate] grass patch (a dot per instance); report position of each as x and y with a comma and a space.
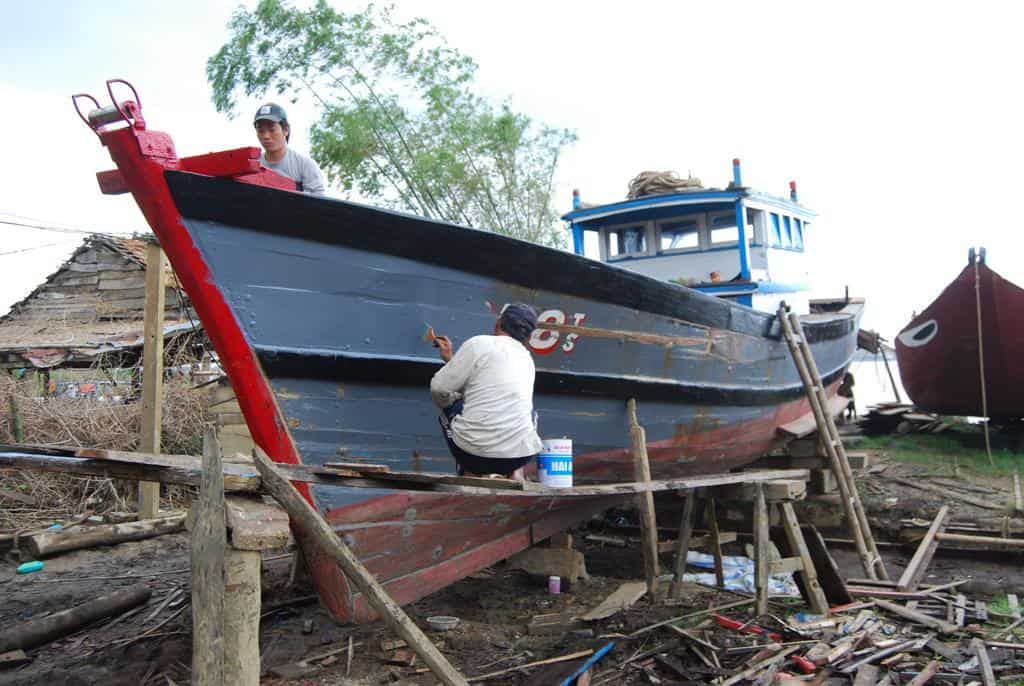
964, 444
999, 605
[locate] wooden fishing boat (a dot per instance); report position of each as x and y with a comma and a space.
317, 309
938, 351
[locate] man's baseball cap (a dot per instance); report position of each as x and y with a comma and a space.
271, 112
518, 320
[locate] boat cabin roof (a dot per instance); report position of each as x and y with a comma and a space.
678, 204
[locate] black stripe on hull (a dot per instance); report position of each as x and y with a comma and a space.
337, 222
375, 370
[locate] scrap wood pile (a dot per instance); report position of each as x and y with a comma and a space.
887, 418
944, 639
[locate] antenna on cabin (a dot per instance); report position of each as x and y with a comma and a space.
792, 191
575, 198
737, 177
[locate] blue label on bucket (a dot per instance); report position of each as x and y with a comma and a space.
554, 463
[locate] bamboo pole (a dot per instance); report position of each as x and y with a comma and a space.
840, 451
847, 496
981, 364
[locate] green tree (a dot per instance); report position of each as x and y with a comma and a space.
399, 121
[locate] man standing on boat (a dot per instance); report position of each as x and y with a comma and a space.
485, 392
274, 132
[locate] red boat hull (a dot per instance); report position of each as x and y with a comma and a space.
938, 351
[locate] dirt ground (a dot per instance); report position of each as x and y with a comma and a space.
152, 646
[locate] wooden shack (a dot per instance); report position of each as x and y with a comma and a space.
89, 312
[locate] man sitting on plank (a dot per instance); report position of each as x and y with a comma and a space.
485, 392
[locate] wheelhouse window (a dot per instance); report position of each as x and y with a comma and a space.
627, 240
723, 230
787, 233
798, 234
775, 240
679, 235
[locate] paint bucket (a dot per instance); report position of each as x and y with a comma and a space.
554, 463
554, 585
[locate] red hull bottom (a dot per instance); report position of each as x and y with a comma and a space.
419, 543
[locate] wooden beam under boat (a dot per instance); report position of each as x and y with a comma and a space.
243, 477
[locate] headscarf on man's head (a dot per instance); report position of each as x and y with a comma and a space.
518, 320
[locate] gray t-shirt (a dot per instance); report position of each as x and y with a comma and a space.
299, 169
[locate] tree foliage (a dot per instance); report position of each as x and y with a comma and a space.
399, 121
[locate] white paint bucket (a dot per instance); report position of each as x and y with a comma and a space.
554, 463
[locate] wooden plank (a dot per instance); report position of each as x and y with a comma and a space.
152, 373
832, 583
776, 489
314, 526
947, 493
184, 469
923, 619
761, 542
209, 545
256, 525
926, 674
867, 675
808, 575
622, 597
923, 555
981, 651
698, 542
645, 501
988, 542
682, 544
806, 424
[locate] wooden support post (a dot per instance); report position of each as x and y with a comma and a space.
715, 540
644, 501
152, 374
242, 617
209, 543
761, 540
683, 544
308, 521
923, 556
798, 546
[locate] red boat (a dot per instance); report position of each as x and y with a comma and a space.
938, 351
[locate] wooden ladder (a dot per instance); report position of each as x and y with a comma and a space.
793, 332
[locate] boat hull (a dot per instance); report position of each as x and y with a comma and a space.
938, 351
317, 309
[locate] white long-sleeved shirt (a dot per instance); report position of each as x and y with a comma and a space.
494, 377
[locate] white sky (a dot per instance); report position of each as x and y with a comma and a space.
901, 122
